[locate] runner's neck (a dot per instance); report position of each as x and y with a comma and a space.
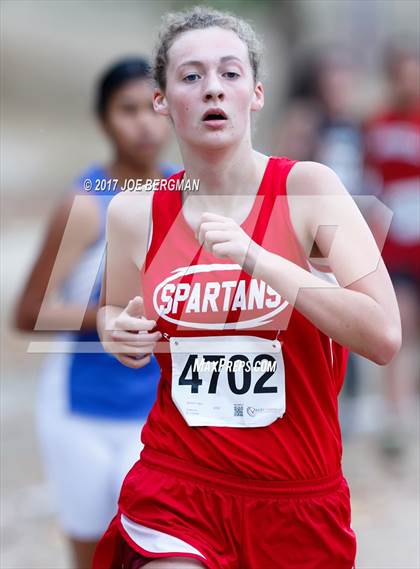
237, 174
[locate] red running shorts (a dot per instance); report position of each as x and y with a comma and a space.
169, 508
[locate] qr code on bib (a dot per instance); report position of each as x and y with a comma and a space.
238, 410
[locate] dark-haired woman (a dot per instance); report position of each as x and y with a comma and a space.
91, 408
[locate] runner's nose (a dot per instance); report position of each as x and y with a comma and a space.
213, 89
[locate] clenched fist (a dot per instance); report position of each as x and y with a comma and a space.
128, 336
224, 238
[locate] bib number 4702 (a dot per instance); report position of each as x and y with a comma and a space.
239, 370
228, 381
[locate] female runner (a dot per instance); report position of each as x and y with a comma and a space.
91, 408
242, 459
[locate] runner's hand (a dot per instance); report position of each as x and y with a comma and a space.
225, 239
130, 340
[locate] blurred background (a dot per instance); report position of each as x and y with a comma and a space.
327, 90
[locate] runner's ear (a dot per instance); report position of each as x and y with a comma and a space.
258, 97
160, 103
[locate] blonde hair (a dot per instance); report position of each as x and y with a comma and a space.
200, 18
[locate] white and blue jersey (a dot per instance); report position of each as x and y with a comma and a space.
97, 383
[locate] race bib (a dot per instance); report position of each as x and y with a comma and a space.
228, 381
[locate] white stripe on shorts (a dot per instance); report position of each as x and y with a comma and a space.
156, 541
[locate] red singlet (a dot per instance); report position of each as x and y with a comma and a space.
393, 158
306, 442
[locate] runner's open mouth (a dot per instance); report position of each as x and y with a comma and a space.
214, 115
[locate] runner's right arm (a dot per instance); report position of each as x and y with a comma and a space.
122, 327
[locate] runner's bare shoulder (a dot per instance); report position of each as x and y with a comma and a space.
128, 223
312, 189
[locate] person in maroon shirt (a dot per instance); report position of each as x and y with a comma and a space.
393, 174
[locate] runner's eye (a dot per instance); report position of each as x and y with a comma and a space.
191, 77
231, 75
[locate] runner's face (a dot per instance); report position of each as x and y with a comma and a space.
209, 71
137, 131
